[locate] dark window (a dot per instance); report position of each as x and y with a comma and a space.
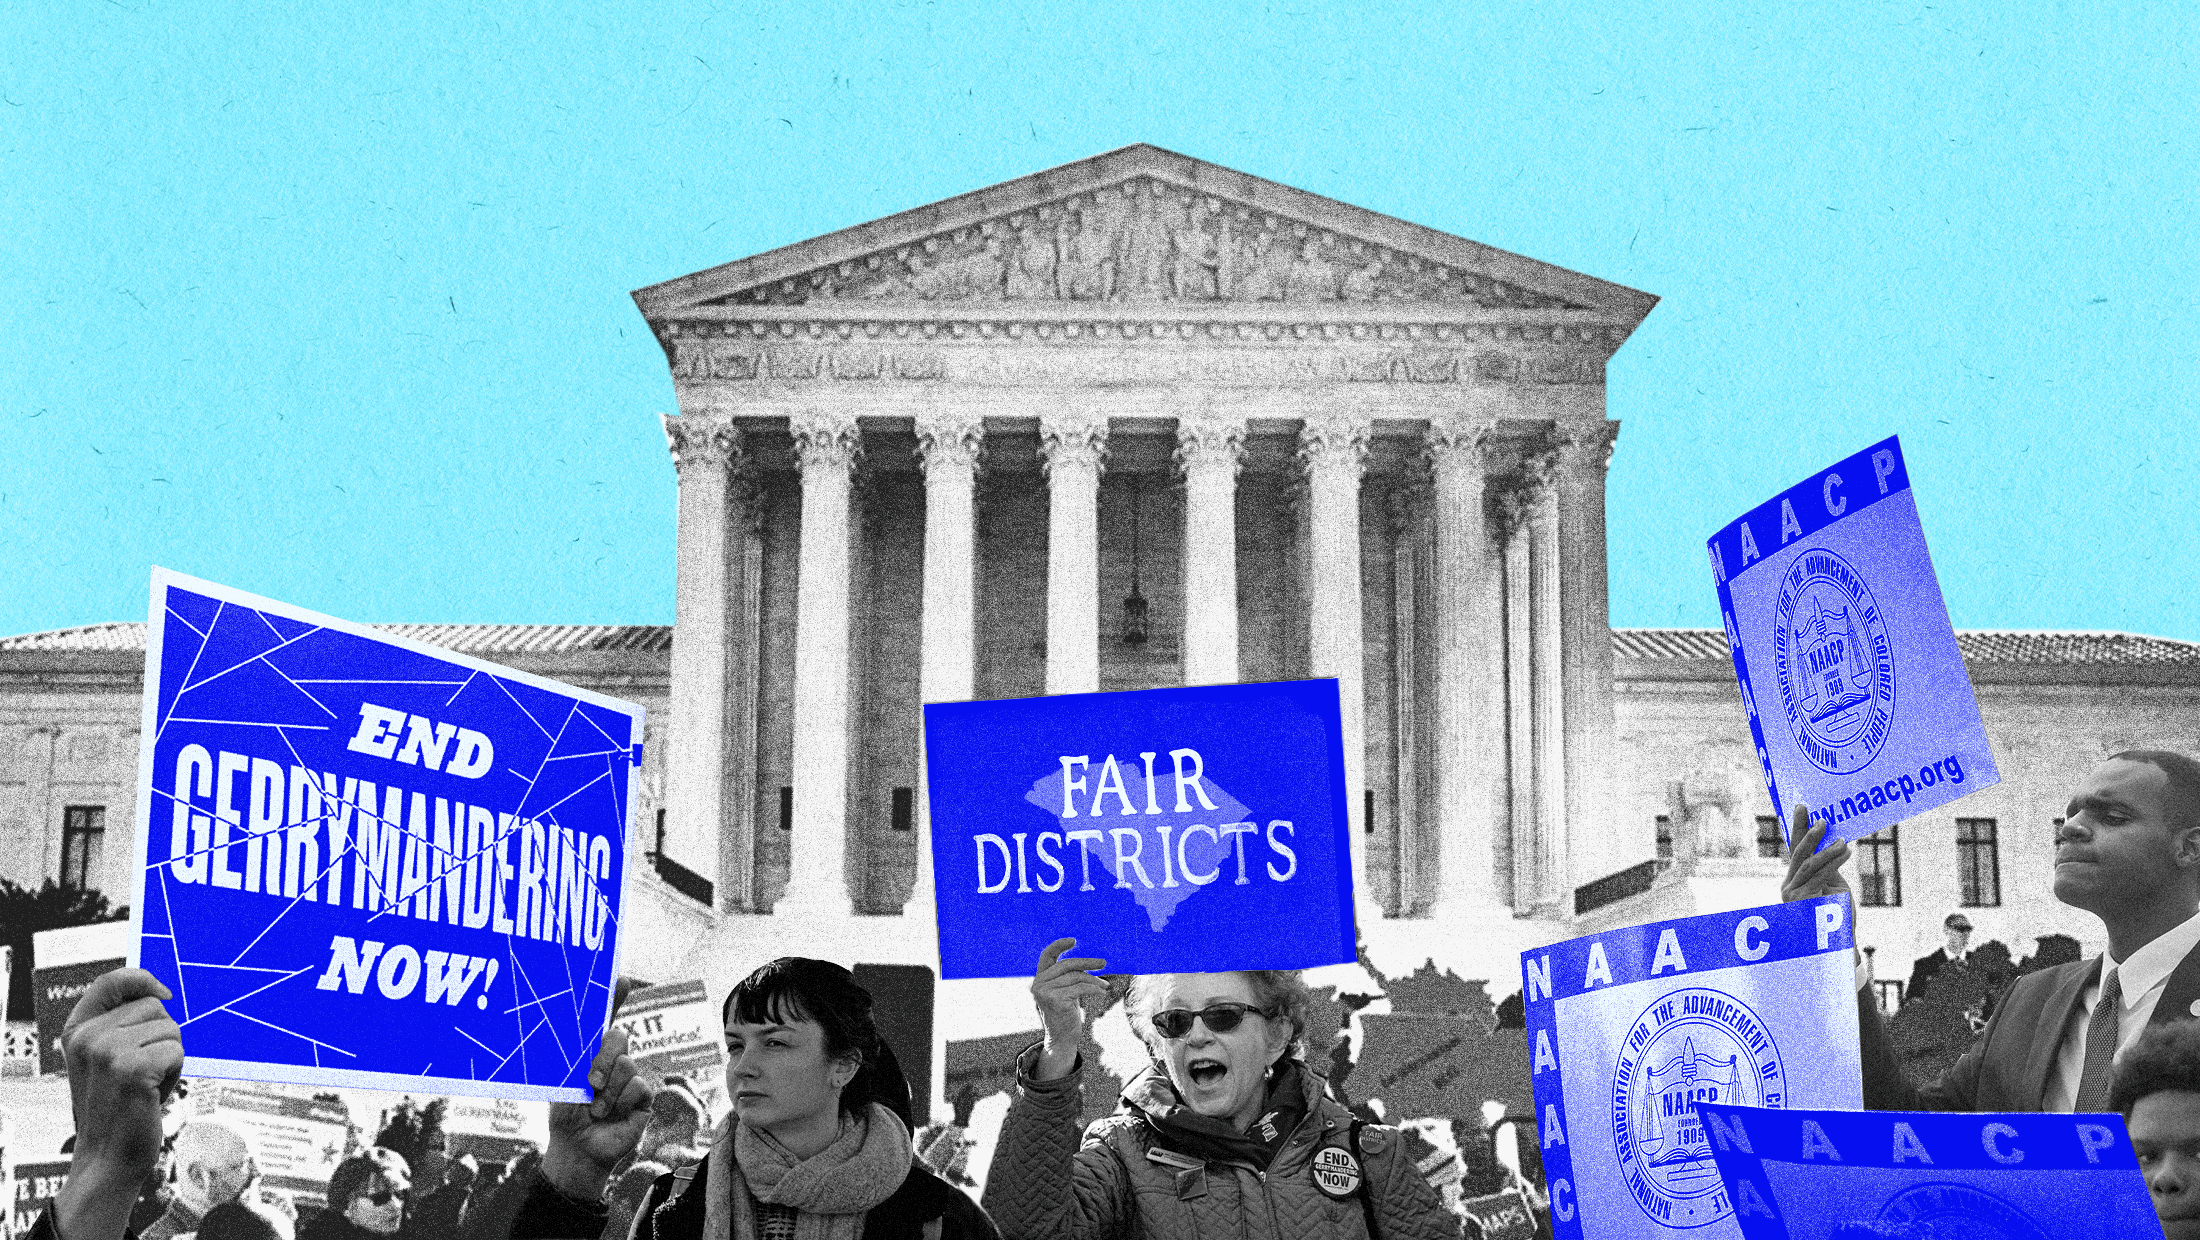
1665, 838
904, 808
1879, 867
1978, 862
1369, 816
83, 840
786, 808
1769, 843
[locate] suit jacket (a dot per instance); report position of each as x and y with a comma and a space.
1923, 972
2008, 1068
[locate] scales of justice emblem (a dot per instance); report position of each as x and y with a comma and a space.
1690, 1046
1944, 1212
1836, 672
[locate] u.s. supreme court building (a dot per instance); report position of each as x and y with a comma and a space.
1142, 421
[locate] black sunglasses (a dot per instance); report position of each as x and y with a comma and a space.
381, 1198
1220, 1017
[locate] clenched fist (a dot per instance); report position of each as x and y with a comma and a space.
124, 1056
587, 1139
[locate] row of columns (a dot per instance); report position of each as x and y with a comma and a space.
1467, 768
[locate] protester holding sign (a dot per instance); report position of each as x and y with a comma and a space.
817, 1147
2129, 853
1229, 1127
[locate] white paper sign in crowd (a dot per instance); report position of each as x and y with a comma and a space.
675, 1030
1857, 696
1865, 1175
1629, 1029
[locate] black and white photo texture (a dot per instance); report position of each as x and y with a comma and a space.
1134, 422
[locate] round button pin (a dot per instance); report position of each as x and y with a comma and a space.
1336, 1172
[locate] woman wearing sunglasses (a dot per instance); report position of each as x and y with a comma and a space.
366, 1198
817, 1147
1227, 1133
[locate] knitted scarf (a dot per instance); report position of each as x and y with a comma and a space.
831, 1190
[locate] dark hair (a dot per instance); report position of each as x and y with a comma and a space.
236, 1220
2184, 779
2166, 1056
795, 988
352, 1176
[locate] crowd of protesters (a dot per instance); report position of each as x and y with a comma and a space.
819, 1145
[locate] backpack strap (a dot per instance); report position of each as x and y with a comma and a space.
1367, 1181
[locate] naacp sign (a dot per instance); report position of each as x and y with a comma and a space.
1837, 1175
1630, 1029
1857, 697
363, 861
1168, 830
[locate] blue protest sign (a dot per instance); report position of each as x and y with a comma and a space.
1628, 1030
363, 861
1167, 830
1857, 697
1859, 1175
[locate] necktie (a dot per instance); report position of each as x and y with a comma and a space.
2100, 1047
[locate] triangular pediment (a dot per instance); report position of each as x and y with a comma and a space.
1142, 225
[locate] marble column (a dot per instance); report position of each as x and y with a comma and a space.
1409, 581
706, 449
1520, 699
745, 567
948, 444
1547, 644
1333, 450
1073, 446
1535, 696
1467, 638
1600, 846
826, 448
1207, 449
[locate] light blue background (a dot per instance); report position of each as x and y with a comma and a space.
329, 302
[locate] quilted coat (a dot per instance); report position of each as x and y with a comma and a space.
1124, 1180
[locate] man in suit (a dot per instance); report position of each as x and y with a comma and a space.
1958, 929
2129, 853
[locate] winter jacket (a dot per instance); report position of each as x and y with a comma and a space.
925, 1207
1126, 1180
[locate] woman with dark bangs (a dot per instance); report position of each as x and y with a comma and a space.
817, 1147
1229, 1132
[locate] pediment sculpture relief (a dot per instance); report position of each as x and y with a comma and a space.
1146, 240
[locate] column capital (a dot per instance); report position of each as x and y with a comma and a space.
1072, 439
1459, 442
1516, 509
1334, 442
1538, 487
1407, 502
1584, 445
712, 442
1206, 440
949, 439
826, 440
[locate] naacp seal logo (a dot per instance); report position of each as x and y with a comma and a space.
1691, 1046
1951, 1212
1836, 671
